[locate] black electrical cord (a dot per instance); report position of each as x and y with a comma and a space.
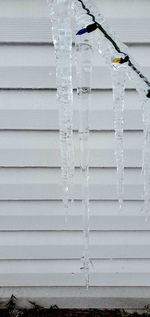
127, 58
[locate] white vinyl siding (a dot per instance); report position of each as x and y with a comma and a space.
39, 252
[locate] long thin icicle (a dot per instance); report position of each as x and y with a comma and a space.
118, 80
146, 154
145, 107
62, 38
84, 69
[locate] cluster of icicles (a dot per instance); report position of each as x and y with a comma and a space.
63, 13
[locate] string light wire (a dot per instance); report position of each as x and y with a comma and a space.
96, 25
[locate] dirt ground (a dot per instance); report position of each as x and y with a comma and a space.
56, 312
11, 310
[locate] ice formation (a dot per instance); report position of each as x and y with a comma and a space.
83, 74
62, 39
100, 42
118, 81
146, 154
84, 69
120, 62
117, 57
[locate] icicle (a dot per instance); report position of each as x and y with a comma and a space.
146, 154
62, 38
141, 87
84, 69
118, 79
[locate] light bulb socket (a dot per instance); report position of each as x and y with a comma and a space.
91, 27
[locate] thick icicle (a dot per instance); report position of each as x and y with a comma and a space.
84, 70
118, 80
62, 38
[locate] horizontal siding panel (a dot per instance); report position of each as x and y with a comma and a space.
68, 239
38, 223
54, 208
34, 67
117, 245
44, 55
74, 266
42, 149
27, 77
45, 183
45, 119
38, 29
74, 252
30, 30
35, 280
113, 8
33, 109
50, 215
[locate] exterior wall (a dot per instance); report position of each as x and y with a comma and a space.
39, 252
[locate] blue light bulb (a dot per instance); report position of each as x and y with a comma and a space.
82, 31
